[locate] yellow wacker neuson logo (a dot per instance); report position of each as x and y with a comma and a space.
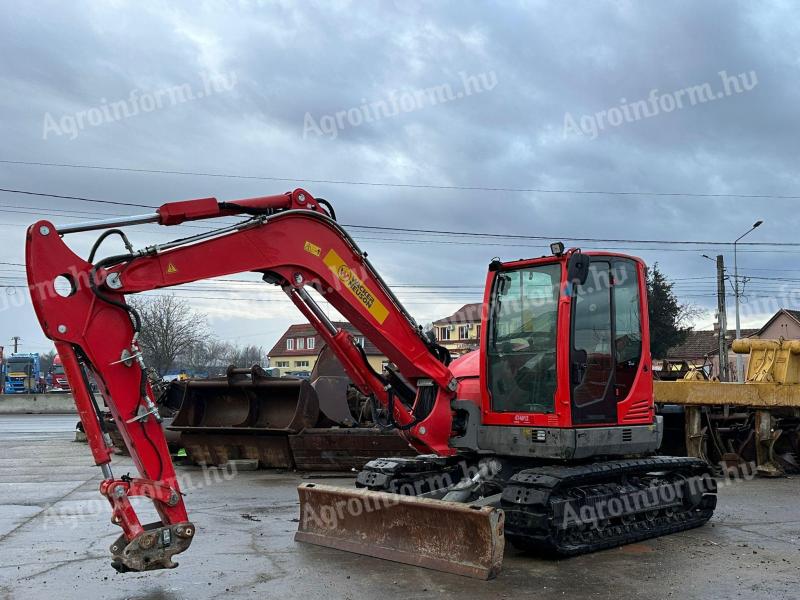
356, 286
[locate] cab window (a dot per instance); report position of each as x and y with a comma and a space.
522, 339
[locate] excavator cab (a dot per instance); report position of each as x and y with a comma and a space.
563, 369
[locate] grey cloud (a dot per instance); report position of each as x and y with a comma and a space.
296, 58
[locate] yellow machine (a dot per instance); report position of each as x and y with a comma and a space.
770, 397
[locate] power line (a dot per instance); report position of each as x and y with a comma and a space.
74, 198
17, 281
19, 275
396, 185
396, 240
454, 233
599, 248
188, 291
72, 211
283, 300
683, 283
490, 243
770, 269
409, 290
246, 285
572, 239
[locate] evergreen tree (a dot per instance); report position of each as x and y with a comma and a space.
668, 316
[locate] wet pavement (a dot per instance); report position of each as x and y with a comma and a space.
55, 533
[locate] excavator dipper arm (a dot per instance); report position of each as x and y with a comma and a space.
296, 244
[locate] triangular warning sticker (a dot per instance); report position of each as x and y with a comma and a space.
171, 269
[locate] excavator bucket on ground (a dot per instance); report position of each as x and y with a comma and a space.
282, 422
246, 415
445, 536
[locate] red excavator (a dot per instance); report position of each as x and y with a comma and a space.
547, 433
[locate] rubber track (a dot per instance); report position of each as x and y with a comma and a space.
531, 495
410, 475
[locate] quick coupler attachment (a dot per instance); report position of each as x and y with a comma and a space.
153, 548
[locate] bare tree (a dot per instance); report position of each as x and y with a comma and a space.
170, 328
209, 355
215, 356
46, 361
247, 356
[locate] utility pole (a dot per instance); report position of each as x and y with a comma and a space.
16, 339
737, 291
723, 319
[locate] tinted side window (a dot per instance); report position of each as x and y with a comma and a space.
628, 325
592, 353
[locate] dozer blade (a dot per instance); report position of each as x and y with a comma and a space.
444, 536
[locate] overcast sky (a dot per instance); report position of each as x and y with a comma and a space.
575, 96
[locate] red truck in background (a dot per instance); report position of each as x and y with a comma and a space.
58, 377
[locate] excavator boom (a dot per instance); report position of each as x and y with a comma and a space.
294, 242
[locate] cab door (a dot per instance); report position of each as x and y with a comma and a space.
592, 359
607, 340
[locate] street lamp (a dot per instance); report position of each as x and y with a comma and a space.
739, 360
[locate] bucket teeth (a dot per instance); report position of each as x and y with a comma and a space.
444, 536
